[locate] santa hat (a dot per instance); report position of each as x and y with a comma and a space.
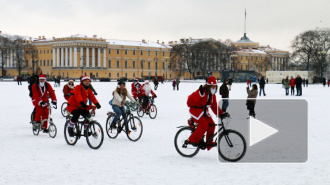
71, 80
146, 81
137, 79
85, 78
42, 77
211, 81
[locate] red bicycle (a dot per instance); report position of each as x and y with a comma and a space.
151, 109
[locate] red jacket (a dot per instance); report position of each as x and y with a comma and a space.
38, 96
143, 93
80, 94
66, 91
292, 83
135, 90
197, 100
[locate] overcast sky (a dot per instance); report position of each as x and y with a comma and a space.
273, 23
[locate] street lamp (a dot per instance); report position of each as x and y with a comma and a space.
82, 65
166, 66
142, 62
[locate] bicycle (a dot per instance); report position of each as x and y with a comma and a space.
151, 109
37, 127
65, 112
230, 143
93, 133
134, 125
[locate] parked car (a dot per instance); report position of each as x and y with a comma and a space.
105, 79
124, 79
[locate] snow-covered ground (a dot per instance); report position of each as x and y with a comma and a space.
28, 159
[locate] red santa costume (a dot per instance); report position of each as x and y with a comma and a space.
40, 99
145, 92
199, 104
135, 89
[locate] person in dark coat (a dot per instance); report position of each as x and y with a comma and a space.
306, 82
324, 81
251, 101
230, 82
224, 92
267, 80
298, 83
173, 84
155, 84
262, 86
17, 79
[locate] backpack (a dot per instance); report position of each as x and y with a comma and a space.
110, 102
30, 88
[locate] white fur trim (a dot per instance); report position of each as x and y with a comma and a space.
85, 78
197, 118
200, 93
42, 78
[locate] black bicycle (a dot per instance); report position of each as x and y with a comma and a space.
66, 113
151, 109
134, 125
93, 133
230, 143
37, 127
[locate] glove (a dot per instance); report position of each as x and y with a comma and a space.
95, 93
223, 115
83, 104
155, 96
54, 103
201, 90
98, 106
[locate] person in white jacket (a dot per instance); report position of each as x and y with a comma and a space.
119, 99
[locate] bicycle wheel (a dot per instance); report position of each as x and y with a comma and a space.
70, 140
135, 128
140, 111
181, 145
35, 131
111, 132
52, 130
95, 138
152, 111
64, 111
231, 145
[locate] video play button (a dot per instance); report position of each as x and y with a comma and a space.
278, 133
259, 131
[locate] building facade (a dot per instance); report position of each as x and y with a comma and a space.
77, 55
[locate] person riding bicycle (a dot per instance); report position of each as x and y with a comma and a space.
199, 102
67, 89
145, 92
135, 89
77, 103
40, 93
118, 102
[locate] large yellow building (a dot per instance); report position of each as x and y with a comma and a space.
79, 55
250, 56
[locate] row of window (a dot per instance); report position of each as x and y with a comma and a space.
256, 58
133, 64
134, 52
41, 62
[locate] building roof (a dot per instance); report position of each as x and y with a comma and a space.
245, 39
136, 43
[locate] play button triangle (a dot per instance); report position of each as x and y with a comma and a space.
259, 131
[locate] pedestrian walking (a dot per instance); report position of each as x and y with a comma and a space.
292, 84
230, 82
287, 85
173, 84
224, 92
177, 83
251, 101
262, 86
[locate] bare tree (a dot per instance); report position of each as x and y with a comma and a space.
5, 45
310, 49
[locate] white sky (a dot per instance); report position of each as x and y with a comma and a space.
273, 23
